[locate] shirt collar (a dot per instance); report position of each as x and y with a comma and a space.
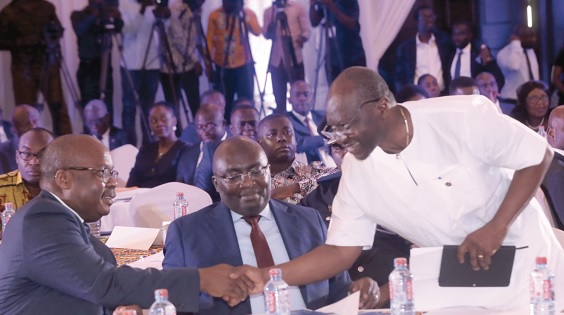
66, 206
466, 49
418, 42
265, 213
302, 117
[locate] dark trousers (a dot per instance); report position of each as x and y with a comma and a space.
233, 81
28, 80
88, 79
189, 82
145, 83
280, 78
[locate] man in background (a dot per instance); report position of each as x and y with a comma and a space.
31, 30
553, 183
98, 124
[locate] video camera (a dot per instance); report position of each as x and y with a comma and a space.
279, 4
163, 3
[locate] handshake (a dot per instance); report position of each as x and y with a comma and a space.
233, 284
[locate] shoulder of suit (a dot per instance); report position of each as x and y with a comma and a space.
9, 179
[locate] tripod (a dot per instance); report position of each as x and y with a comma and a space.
283, 47
324, 53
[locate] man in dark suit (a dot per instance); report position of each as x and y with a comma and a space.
429, 41
553, 183
220, 233
49, 264
97, 121
24, 118
305, 121
474, 57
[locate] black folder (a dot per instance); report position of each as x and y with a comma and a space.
455, 274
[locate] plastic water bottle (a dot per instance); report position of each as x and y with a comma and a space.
180, 205
276, 294
162, 305
542, 289
7, 214
95, 228
542, 132
401, 289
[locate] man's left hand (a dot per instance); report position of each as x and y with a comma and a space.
481, 245
369, 292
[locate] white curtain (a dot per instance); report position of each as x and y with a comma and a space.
380, 22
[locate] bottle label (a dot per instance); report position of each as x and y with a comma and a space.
392, 289
408, 290
271, 302
184, 210
546, 290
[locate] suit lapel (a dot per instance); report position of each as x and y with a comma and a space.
221, 232
299, 126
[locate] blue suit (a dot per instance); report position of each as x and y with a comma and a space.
553, 187
305, 141
204, 170
207, 237
49, 264
187, 164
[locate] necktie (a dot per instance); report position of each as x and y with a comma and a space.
99, 137
528, 65
457, 66
306, 121
260, 246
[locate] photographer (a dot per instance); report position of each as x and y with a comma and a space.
31, 31
141, 60
94, 26
285, 23
228, 41
344, 46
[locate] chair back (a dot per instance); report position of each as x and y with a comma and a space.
151, 208
124, 160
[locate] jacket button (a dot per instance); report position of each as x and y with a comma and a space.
360, 269
448, 184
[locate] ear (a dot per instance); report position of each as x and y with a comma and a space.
63, 179
215, 183
550, 133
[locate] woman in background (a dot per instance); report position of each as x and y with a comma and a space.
532, 106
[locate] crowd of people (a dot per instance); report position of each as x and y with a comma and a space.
388, 170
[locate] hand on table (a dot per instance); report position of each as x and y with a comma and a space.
369, 292
481, 245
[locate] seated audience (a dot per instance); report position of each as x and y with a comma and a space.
488, 87
305, 121
226, 232
430, 85
22, 185
376, 262
97, 122
463, 86
291, 180
244, 119
210, 126
411, 92
50, 264
189, 134
553, 183
532, 105
157, 161
24, 118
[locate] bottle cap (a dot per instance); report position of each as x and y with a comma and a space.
161, 293
275, 272
179, 194
541, 260
400, 261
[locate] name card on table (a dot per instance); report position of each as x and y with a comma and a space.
132, 237
346, 306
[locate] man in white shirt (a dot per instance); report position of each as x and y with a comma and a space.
434, 171
518, 61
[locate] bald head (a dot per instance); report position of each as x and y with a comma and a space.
556, 128
241, 175
96, 117
24, 118
30, 147
213, 97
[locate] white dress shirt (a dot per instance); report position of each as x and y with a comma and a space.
428, 60
274, 239
513, 63
465, 70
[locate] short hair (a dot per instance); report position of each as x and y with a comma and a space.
98, 105
164, 104
421, 78
468, 24
409, 91
422, 7
272, 117
238, 107
364, 83
519, 112
243, 100
39, 130
209, 93
459, 83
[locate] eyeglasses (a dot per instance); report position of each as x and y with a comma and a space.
535, 98
206, 127
250, 123
105, 173
27, 156
334, 132
238, 178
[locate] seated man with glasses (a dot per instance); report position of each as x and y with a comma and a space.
247, 227
22, 185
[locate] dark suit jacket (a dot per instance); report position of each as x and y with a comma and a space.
207, 237
204, 170
118, 138
49, 265
8, 155
305, 141
189, 134
553, 187
187, 164
7, 129
377, 262
476, 66
406, 59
